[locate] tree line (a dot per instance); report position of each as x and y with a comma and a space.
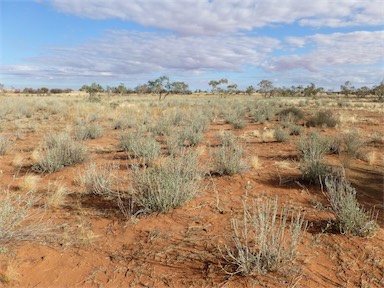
162, 87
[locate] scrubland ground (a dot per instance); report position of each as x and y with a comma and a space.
129, 191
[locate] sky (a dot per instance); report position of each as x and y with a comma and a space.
69, 43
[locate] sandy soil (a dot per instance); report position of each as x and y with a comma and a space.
97, 246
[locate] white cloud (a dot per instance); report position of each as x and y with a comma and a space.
207, 17
358, 48
119, 54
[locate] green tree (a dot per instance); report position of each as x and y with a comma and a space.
347, 89
250, 90
379, 91
362, 92
93, 89
266, 87
231, 89
160, 86
311, 90
217, 86
179, 88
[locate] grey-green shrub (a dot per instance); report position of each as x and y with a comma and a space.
322, 118
98, 180
142, 146
353, 143
228, 160
5, 145
264, 239
159, 189
281, 135
88, 131
351, 217
312, 149
15, 211
58, 151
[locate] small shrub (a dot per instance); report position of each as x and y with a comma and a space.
227, 138
312, 149
353, 143
295, 129
5, 145
351, 217
15, 213
98, 180
56, 195
322, 118
88, 131
261, 240
191, 136
227, 160
293, 113
59, 150
167, 186
145, 147
281, 135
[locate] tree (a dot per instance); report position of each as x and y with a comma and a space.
362, 92
266, 87
217, 86
347, 88
379, 91
232, 88
121, 89
311, 90
93, 89
142, 89
179, 88
250, 90
160, 86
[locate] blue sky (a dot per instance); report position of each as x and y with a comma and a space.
68, 43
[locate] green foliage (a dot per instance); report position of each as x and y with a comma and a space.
58, 151
168, 186
281, 135
92, 90
142, 146
266, 87
351, 217
312, 149
295, 113
353, 143
262, 241
86, 131
227, 160
322, 118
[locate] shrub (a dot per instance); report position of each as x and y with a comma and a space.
167, 186
351, 217
293, 113
261, 241
295, 129
192, 136
353, 143
5, 144
15, 212
227, 138
98, 180
281, 135
312, 149
88, 131
322, 118
142, 146
227, 160
59, 150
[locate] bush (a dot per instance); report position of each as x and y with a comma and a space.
295, 129
352, 218
98, 180
293, 113
15, 211
167, 186
312, 149
322, 118
88, 131
261, 239
281, 135
142, 146
5, 144
227, 160
353, 143
59, 150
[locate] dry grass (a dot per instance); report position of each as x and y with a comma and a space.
30, 183
57, 193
